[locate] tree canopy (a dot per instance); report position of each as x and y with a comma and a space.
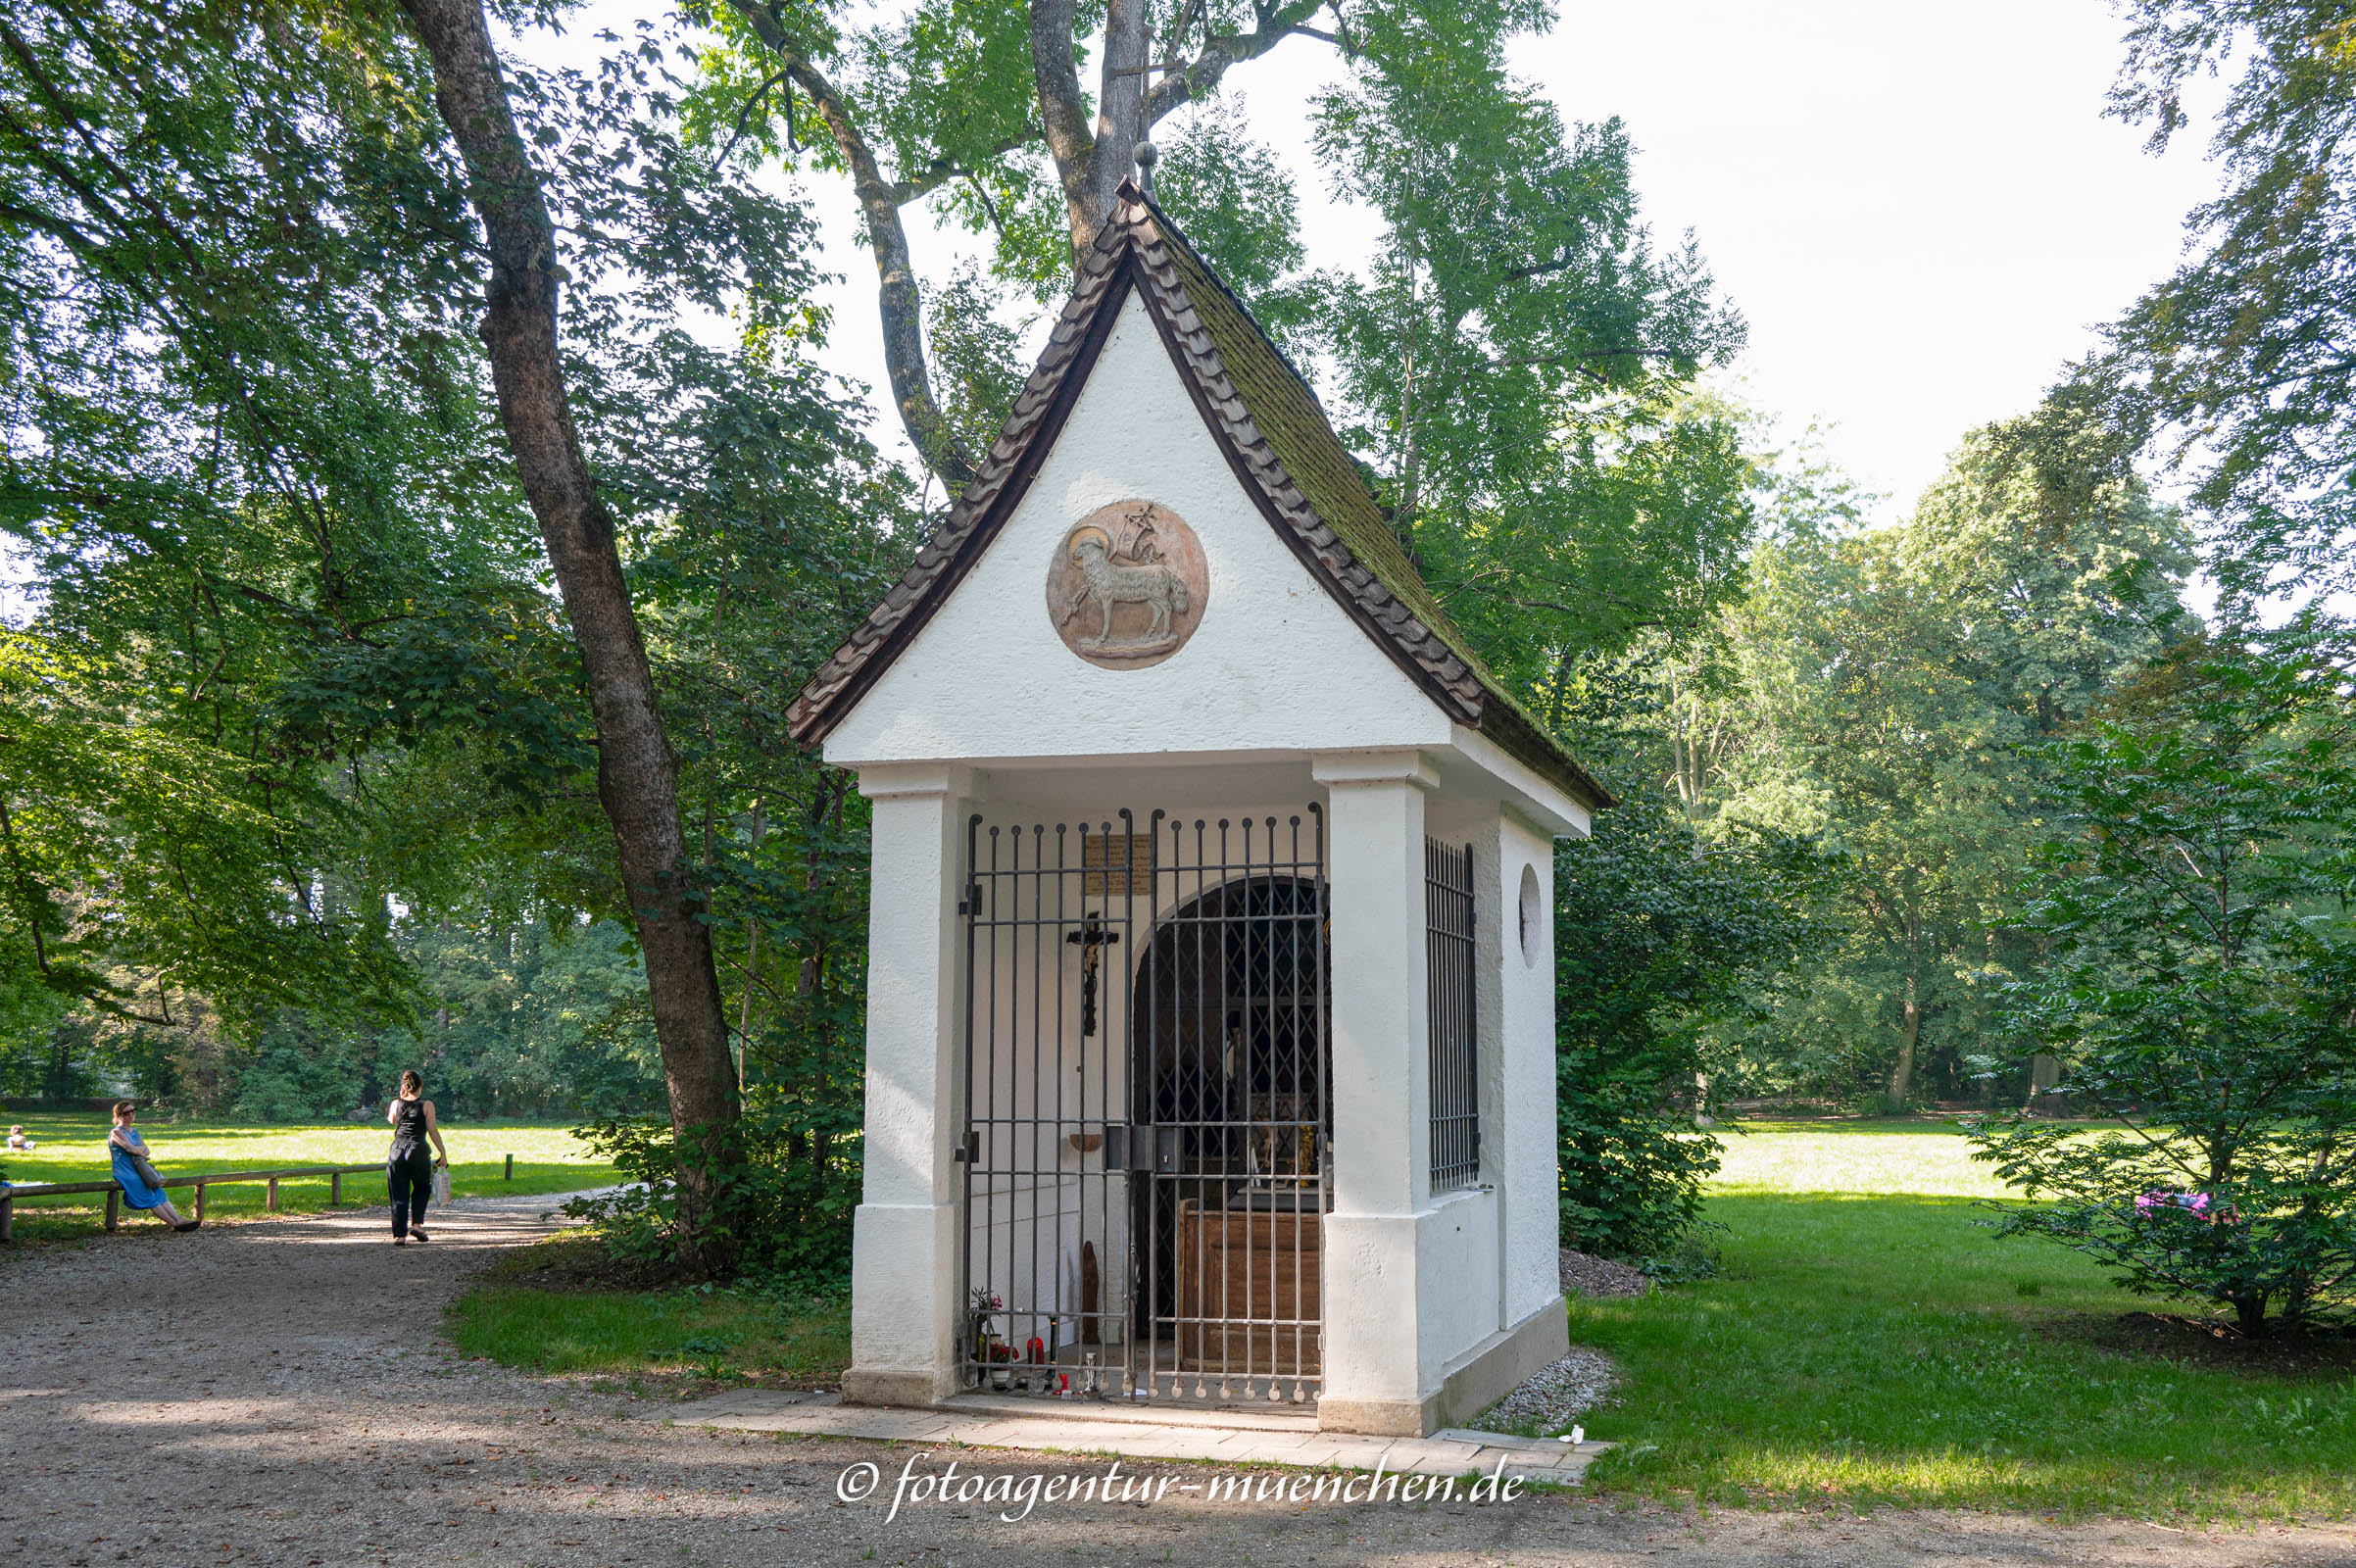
435, 498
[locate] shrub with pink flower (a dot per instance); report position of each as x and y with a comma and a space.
2197, 993
2199, 1204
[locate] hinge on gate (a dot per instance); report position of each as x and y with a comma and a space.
970, 1153
971, 902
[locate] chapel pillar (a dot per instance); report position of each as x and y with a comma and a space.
1381, 1087
903, 1256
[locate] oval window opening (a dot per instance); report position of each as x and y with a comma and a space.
1530, 915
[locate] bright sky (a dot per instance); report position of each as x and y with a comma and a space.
1922, 212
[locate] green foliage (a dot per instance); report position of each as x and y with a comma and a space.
1888, 686
1239, 208
1517, 362
249, 457
296, 742
2238, 364
784, 1196
1631, 1168
1658, 934
534, 1018
942, 94
520, 1016
2202, 979
124, 844
976, 358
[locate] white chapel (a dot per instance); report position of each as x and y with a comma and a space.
1211, 1021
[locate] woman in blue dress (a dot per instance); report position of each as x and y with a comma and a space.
132, 1170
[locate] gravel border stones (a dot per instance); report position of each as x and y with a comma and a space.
1584, 1274
1554, 1394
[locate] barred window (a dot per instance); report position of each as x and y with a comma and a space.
1448, 906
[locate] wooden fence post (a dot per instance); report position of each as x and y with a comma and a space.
115, 1209
8, 1217
200, 1202
270, 1204
511, 1175
336, 1188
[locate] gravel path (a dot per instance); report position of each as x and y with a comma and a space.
276, 1394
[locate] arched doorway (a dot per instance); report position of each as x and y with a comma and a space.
1231, 1059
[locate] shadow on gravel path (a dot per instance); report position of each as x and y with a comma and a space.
279, 1393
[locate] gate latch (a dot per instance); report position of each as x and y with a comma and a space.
1143, 1147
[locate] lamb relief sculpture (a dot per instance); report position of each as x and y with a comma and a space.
1127, 584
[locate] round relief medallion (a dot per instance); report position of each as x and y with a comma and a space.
1127, 585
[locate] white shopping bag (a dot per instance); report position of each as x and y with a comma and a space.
441, 1184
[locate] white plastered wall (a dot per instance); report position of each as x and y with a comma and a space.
1462, 1232
1526, 1170
1276, 664
986, 706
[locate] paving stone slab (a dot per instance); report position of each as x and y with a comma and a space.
1497, 1439
1455, 1452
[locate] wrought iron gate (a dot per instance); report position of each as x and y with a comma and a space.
1148, 1130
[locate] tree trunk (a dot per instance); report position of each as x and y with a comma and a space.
898, 302
2044, 1071
743, 1017
1090, 161
637, 775
1901, 1076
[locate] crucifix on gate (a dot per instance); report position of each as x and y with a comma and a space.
1092, 939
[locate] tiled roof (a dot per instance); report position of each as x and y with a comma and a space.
1282, 447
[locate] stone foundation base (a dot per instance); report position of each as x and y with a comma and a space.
878, 1385
1474, 1381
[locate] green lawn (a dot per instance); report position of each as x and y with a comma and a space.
1870, 1341
701, 1331
73, 1149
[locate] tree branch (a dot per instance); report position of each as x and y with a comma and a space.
1222, 51
897, 300
1063, 111
1507, 361
744, 116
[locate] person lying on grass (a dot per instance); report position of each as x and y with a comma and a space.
141, 1186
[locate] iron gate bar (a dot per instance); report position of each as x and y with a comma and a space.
1010, 1167
1213, 1131
1245, 1059
1451, 1009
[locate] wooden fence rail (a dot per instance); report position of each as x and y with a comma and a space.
335, 1175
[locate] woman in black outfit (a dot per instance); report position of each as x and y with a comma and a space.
407, 1171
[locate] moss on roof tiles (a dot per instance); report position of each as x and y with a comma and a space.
1295, 426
